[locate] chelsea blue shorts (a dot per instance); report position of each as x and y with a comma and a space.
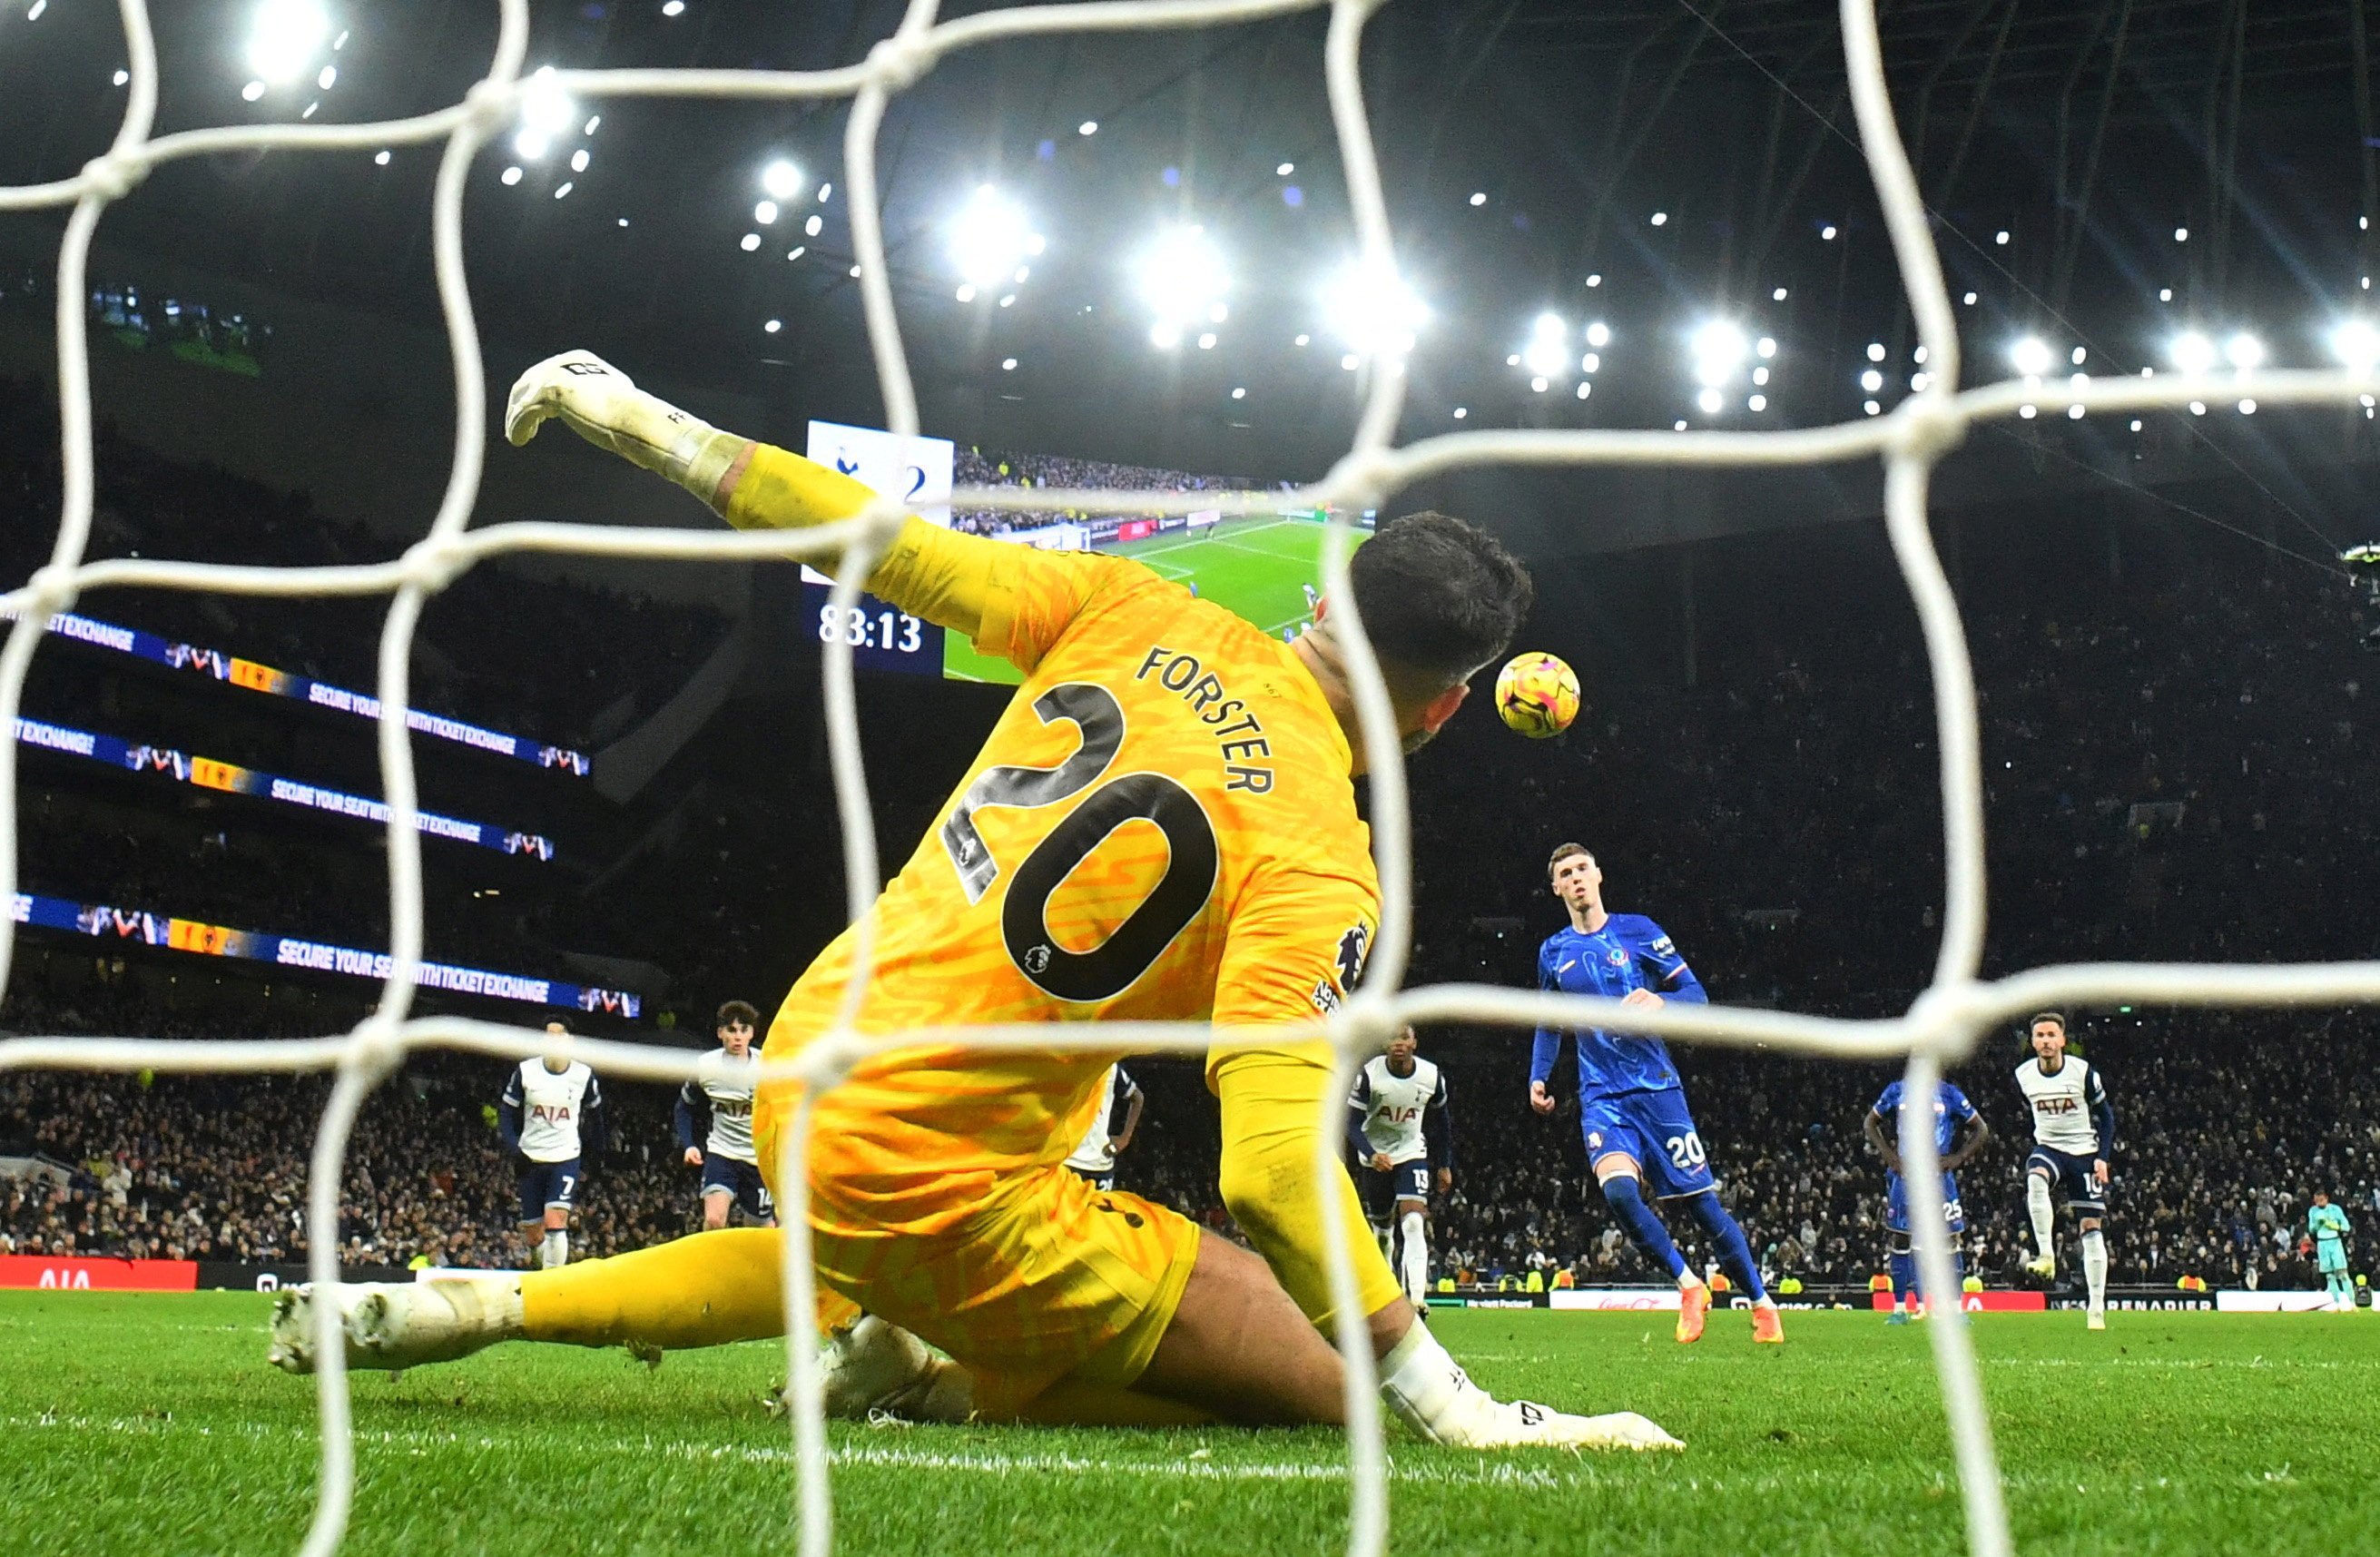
1896, 1204
1655, 1129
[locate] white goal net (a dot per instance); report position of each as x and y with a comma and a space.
1939, 1028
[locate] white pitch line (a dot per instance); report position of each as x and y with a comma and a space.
1045, 1463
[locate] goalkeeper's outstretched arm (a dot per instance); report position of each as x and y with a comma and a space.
948, 579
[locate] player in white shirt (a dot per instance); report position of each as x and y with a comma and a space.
1094, 1157
1398, 1096
2074, 1131
550, 1115
721, 1090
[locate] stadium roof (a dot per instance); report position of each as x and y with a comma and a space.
2103, 176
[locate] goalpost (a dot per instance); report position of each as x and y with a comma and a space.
1941, 1027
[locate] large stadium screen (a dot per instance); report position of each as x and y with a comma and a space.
1267, 565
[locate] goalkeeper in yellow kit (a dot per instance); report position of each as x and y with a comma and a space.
1162, 826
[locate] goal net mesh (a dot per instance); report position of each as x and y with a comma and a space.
1941, 1027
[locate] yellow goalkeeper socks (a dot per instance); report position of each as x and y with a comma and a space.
702, 1291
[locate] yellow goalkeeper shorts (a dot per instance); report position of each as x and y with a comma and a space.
1027, 1275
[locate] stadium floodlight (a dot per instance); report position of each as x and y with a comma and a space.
1710, 401
1872, 380
284, 37
1547, 352
1599, 335
2031, 356
2356, 345
546, 111
990, 237
1373, 310
2244, 351
1088, 126
1164, 335
780, 180
1182, 276
765, 213
2192, 352
1718, 347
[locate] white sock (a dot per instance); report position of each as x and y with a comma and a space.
2045, 1228
1415, 1269
556, 1250
2095, 1268
1426, 1388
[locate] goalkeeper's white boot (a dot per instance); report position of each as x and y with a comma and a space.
872, 1368
291, 1331
403, 1324
390, 1326
1430, 1392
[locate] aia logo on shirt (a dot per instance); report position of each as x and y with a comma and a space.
2053, 1105
552, 1113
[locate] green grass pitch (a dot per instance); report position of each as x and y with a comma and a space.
1254, 566
140, 1423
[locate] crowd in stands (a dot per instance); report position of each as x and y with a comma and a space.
2203, 1184
977, 468
215, 1167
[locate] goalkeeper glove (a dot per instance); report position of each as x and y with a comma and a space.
603, 405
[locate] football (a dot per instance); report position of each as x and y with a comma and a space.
1537, 695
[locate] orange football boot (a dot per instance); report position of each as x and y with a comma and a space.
1693, 1302
1768, 1325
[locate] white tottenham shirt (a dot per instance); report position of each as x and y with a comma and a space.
1392, 1106
1096, 1152
2063, 1105
727, 1083
551, 1108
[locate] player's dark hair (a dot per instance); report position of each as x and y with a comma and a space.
1439, 599
737, 1012
2041, 1016
1562, 852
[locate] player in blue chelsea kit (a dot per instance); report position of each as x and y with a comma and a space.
1632, 1107
1953, 1113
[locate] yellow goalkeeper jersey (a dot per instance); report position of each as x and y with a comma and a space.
1162, 826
